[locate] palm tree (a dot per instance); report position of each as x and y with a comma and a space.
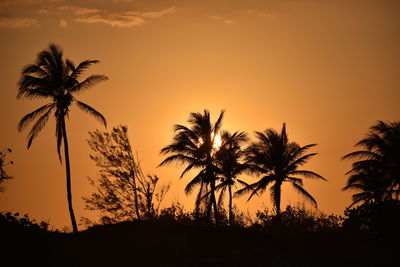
377, 171
230, 164
50, 77
277, 160
194, 146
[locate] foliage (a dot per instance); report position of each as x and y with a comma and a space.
297, 218
382, 218
123, 191
277, 161
8, 219
229, 162
195, 147
375, 174
4, 176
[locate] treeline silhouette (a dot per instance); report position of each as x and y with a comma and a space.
128, 201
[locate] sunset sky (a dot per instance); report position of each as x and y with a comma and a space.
329, 69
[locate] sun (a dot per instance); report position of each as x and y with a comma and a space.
216, 144
217, 141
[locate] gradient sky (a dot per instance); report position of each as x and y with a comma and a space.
329, 69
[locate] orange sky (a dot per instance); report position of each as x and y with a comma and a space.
329, 69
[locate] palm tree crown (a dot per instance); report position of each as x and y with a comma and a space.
194, 146
277, 160
53, 78
376, 171
230, 163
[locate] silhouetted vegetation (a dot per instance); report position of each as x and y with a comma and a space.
302, 239
123, 192
4, 176
229, 165
195, 147
377, 172
133, 226
376, 176
55, 79
277, 160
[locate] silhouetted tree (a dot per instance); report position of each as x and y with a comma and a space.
51, 77
152, 198
277, 161
123, 192
376, 174
4, 176
229, 158
195, 147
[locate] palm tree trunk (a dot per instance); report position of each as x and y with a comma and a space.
214, 203
277, 199
230, 206
68, 173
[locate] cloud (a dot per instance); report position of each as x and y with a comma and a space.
43, 11
80, 10
222, 19
6, 22
116, 20
120, 14
158, 14
62, 23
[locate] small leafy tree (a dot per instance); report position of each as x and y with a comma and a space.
4, 176
123, 191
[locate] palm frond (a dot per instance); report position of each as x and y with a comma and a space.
38, 126
88, 83
31, 116
362, 155
305, 194
307, 174
84, 65
179, 158
92, 112
59, 134
196, 181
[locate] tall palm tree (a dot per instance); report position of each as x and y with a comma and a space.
277, 161
230, 157
377, 169
194, 146
53, 78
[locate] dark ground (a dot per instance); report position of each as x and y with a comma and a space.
171, 244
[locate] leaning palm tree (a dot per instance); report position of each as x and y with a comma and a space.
277, 161
53, 78
378, 163
230, 163
195, 147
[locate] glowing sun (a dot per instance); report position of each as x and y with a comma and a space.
217, 141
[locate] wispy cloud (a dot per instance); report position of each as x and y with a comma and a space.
222, 19
43, 11
62, 23
17, 22
80, 10
15, 13
116, 20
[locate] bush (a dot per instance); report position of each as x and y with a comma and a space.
373, 217
8, 220
297, 218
